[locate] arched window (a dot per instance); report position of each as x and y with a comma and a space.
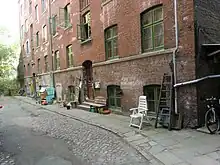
152, 29
114, 96
152, 92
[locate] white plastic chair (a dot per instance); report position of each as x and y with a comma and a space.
139, 112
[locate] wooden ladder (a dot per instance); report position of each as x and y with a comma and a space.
164, 108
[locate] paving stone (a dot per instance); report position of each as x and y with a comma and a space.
156, 149
214, 155
152, 143
167, 142
134, 138
203, 160
141, 141
168, 158
128, 134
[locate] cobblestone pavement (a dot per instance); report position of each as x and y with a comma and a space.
36, 127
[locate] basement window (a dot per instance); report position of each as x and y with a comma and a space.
114, 96
152, 92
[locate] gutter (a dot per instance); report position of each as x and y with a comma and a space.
196, 80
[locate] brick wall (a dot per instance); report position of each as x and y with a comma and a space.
131, 74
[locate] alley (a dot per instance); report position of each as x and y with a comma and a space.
33, 136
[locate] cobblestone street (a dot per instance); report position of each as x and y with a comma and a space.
34, 136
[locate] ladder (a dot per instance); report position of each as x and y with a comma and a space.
164, 108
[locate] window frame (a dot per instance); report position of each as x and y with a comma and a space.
68, 55
44, 33
84, 4
27, 45
29, 69
151, 26
57, 59
54, 25
156, 95
37, 39
43, 5
30, 6
85, 34
46, 67
116, 96
111, 39
38, 65
36, 12
67, 19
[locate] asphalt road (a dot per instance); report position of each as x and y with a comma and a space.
31, 136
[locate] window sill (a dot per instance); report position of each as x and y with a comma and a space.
68, 27
45, 42
106, 2
55, 35
113, 58
86, 41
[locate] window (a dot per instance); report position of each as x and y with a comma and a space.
37, 39
29, 70
69, 53
27, 47
67, 15
36, 13
84, 3
46, 63
64, 16
152, 92
57, 60
85, 27
43, 5
54, 25
44, 33
111, 45
25, 4
114, 96
26, 25
30, 6
152, 29
22, 31
21, 10
38, 66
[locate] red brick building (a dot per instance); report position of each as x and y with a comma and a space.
125, 46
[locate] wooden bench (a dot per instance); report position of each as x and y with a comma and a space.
99, 104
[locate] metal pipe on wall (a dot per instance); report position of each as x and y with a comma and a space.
51, 42
174, 55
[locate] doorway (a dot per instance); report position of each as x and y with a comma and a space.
88, 80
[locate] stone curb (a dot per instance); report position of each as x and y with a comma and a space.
147, 156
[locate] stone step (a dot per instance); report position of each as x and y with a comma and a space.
91, 103
84, 107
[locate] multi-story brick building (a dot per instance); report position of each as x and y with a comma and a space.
118, 49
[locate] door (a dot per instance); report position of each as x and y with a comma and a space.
88, 79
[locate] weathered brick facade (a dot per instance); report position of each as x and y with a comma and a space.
133, 69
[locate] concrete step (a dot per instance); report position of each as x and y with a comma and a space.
84, 107
91, 103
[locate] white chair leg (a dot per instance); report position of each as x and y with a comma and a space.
130, 122
141, 122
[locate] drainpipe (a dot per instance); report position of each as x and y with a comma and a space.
51, 41
174, 54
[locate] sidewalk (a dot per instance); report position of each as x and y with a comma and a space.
160, 146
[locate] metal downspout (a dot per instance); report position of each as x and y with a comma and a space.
51, 42
174, 55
